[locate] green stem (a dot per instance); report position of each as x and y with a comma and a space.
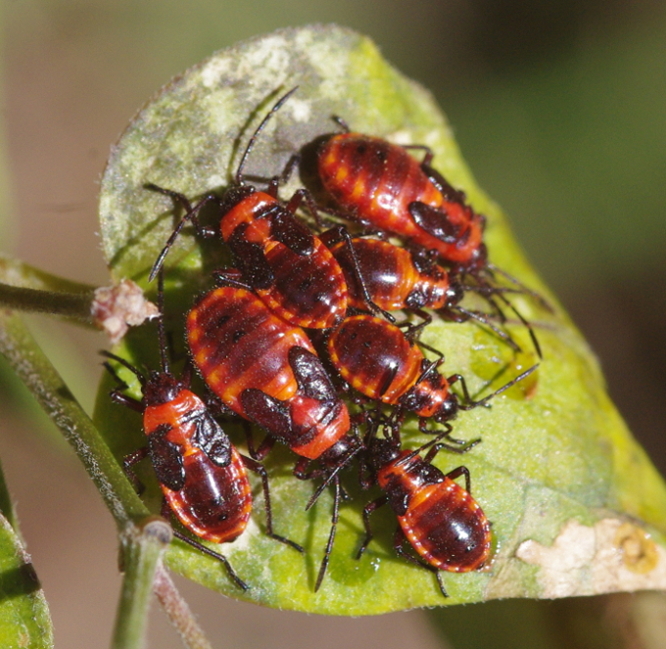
28, 288
72, 305
143, 546
178, 611
42, 379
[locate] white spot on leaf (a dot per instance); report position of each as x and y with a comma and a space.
609, 557
300, 110
216, 69
401, 137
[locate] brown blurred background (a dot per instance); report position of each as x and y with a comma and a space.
559, 108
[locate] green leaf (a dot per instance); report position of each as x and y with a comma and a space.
576, 506
24, 613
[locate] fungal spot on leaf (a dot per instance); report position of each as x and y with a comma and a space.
639, 550
601, 559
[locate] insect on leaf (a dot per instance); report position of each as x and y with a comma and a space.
575, 504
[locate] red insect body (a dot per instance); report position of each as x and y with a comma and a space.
288, 267
376, 359
266, 370
392, 277
383, 186
442, 522
203, 478
397, 278
258, 365
213, 501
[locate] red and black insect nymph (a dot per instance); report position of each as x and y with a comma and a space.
396, 278
202, 476
266, 370
441, 521
380, 361
384, 187
275, 255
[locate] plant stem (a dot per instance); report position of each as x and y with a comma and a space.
72, 305
143, 546
42, 379
178, 611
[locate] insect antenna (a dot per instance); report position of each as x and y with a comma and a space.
486, 289
523, 289
484, 320
139, 375
238, 178
161, 333
471, 404
332, 476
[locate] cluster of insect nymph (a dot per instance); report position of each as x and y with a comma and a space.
314, 338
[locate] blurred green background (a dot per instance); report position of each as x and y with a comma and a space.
559, 109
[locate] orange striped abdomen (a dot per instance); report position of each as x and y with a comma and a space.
446, 526
215, 502
237, 343
289, 268
391, 277
374, 357
375, 181
308, 290
441, 520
